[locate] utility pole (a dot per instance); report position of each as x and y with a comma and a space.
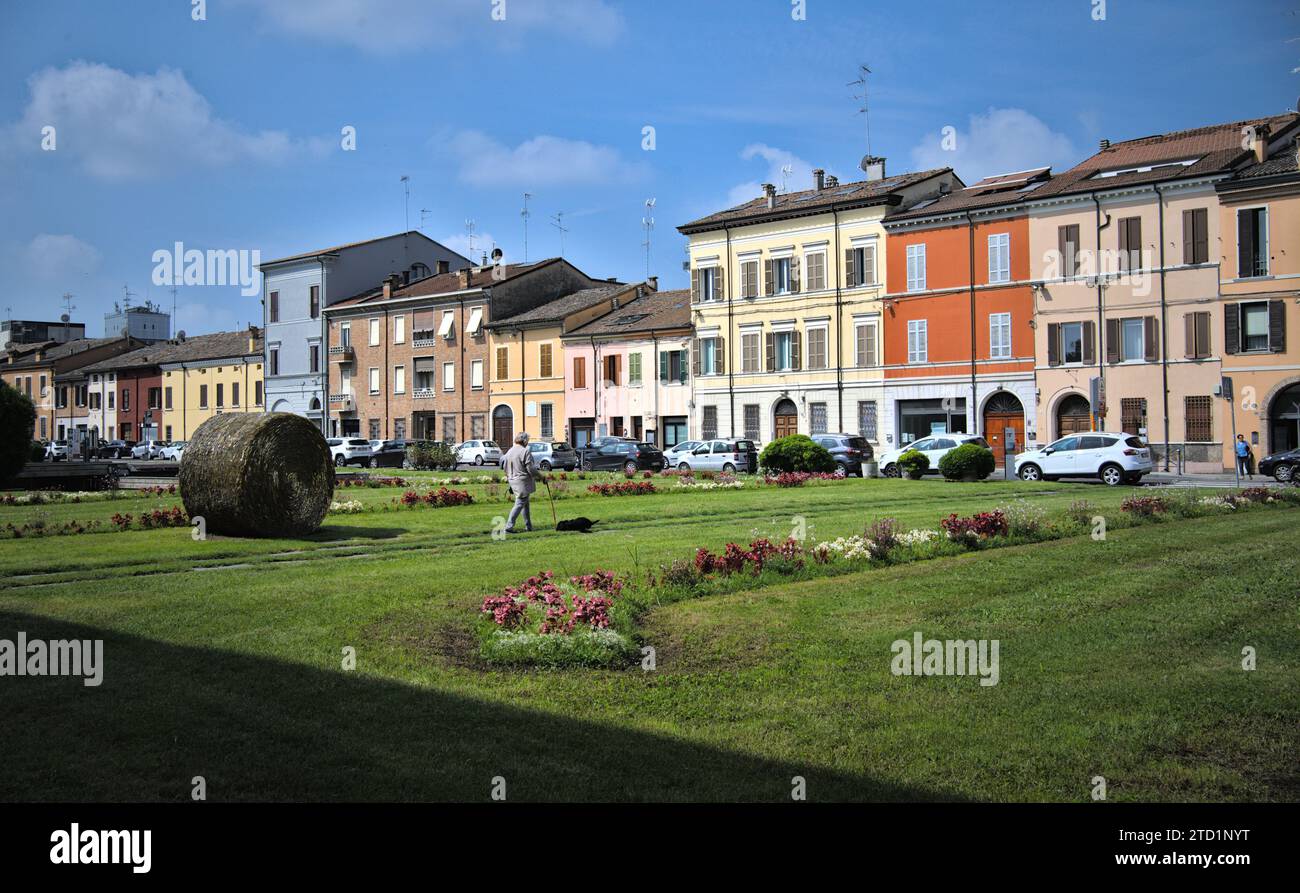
406, 188
558, 222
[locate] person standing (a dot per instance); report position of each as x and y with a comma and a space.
522, 477
1243, 456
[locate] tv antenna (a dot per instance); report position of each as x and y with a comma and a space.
648, 224
786, 171
406, 188
525, 214
68, 307
469, 236
558, 222
172, 327
127, 295
424, 213
861, 84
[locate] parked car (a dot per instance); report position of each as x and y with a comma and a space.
848, 450
147, 449
935, 447
479, 452
674, 453
349, 451
627, 455
721, 455
389, 453
553, 455
116, 449
175, 451
1281, 465
1115, 458
56, 450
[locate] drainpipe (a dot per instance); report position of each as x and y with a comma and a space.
659, 422
463, 427
595, 398
324, 340
388, 329
1101, 304
731, 374
523, 382
1164, 327
839, 331
974, 386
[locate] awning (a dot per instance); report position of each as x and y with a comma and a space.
448, 320
425, 364
475, 321
423, 321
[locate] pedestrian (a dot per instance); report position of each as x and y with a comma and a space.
1243, 456
522, 476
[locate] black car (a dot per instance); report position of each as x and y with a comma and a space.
848, 450
625, 455
390, 454
115, 449
1281, 465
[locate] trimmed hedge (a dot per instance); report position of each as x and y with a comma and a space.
798, 452
17, 421
967, 460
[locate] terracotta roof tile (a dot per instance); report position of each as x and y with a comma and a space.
653, 311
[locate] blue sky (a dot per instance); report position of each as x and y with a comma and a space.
226, 133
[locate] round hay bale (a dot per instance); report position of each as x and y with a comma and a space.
264, 474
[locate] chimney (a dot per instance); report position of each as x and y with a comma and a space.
654, 283
252, 339
1103, 145
466, 276
444, 266
832, 181
874, 166
819, 178
770, 191
945, 187
1256, 140
391, 282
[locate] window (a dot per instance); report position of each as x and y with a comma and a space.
817, 417
374, 333
203, 397
273, 306
314, 357
126, 398
544, 360
167, 398
613, 369
1069, 342
749, 348
1132, 339
447, 328
374, 380
1000, 257
374, 429
1130, 243
579, 372
916, 267
1196, 237
257, 393
399, 329
779, 276
749, 279
449, 376
815, 264
1067, 242
672, 366
1254, 326
221, 396
1133, 414
548, 420
345, 334
782, 351
867, 419
817, 348
1197, 412
234, 394
864, 344
999, 335
708, 359
475, 324
918, 343
634, 369
476, 375
477, 427
1252, 242
709, 422
399, 379
751, 421
314, 300
706, 284
273, 361
860, 265
399, 429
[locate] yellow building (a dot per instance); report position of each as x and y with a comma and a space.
208, 375
526, 360
787, 294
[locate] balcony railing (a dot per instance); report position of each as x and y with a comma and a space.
343, 402
423, 393
342, 353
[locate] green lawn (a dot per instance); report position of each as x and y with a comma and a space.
1118, 658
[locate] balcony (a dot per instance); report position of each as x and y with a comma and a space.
422, 393
342, 353
423, 338
343, 402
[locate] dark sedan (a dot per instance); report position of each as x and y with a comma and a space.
116, 449
1281, 465
623, 455
390, 454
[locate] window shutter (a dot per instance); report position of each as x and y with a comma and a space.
720, 355
1123, 244
1277, 326
1231, 328
871, 345
1245, 246
768, 278
719, 282
1189, 239
1190, 321
1063, 248
663, 366
695, 286
1089, 343
1152, 331
796, 350
794, 274
1202, 335
1053, 344
681, 366
695, 357
618, 368
1112, 340
770, 340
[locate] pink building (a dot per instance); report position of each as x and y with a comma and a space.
629, 373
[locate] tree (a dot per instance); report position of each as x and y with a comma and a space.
17, 422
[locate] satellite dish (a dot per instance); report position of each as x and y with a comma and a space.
180, 336
64, 318
497, 254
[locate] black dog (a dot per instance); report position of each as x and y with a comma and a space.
582, 525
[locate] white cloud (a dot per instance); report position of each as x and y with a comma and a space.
998, 142
483, 242
540, 161
122, 126
51, 257
384, 26
799, 178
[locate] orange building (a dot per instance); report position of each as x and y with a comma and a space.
959, 316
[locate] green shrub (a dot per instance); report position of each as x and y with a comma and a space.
38, 452
967, 460
17, 421
426, 456
914, 462
798, 452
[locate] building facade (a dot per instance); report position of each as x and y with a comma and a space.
34, 370
147, 322
27, 331
210, 375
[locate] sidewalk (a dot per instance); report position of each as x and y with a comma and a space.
1171, 479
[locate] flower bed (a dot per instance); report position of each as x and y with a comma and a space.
371, 482
799, 478
440, 498
623, 488
351, 507
549, 622
157, 518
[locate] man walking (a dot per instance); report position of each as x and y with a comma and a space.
522, 477
1243, 456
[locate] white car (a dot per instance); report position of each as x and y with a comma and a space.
478, 452
935, 447
149, 449
174, 451
349, 451
1115, 458
56, 450
678, 451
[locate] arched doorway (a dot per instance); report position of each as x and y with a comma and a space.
1004, 425
1073, 414
785, 419
1284, 420
503, 426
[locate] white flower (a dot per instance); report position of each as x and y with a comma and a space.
351, 507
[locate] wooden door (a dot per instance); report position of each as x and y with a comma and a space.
503, 430
786, 424
998, 426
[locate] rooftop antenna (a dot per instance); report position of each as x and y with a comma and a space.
127, 295
424, 213
469, 235
67, 313
171, 328
786, 171
558, 222
525, 213
648, 224
861, 84
406, 188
